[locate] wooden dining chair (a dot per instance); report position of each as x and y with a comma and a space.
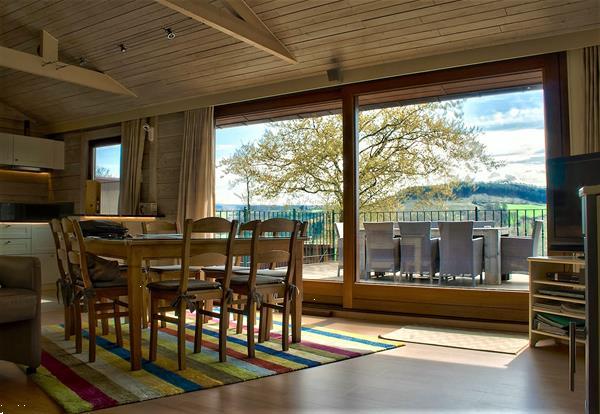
102, 298
64, 286
255, 289
187, 293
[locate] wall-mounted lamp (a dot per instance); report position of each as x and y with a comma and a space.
149, 131
123, 48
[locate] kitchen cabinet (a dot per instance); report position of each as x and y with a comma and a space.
25, 151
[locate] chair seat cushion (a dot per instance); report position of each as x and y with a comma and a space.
120, 282
238, 280
221, 268
17, 304
172, 268
263, 272
193, 284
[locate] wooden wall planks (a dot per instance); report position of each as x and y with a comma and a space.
24, 187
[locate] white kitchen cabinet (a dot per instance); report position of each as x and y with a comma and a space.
31, 239
6, 148
33, 152
25, 151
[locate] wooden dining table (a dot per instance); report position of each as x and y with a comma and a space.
140, 248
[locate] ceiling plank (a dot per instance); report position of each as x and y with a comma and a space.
25, 62
242, 9
235, 27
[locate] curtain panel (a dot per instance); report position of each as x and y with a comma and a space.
196, 197
591, 69
133, 138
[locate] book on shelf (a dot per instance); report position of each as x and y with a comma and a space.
549, 306
562, 293
566, 277
558, 321
573, 308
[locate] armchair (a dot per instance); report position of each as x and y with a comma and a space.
516, 250
20, 319
460, 253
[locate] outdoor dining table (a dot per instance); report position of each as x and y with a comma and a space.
140, 248
491, 249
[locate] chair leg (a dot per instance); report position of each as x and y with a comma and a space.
153, 328
68, 321
198, 332
240, 320
181, 336
104, 322
223, 326
145, 307
92, 319
262, 324
285, 327
77, 316
118, 333
250, 313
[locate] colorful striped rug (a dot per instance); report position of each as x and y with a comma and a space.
79, 386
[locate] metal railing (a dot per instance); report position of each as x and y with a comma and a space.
322, 239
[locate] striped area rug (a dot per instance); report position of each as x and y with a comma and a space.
79, 386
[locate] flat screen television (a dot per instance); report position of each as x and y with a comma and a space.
566, 175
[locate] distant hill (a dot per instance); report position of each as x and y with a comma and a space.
503, 190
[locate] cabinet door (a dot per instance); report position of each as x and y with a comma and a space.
49, 268
33, 152
42, 240
6, 148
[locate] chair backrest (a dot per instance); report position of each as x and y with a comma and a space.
483, 223
415, 228
220, 252
536, 235
415, 246
159, 227
456, 245
379, 235
263, 252
75, 246
61, 251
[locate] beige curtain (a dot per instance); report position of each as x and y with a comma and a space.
132, 152
591, 69
197, 176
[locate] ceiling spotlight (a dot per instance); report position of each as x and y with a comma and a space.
123, 48
170, 33
82, 61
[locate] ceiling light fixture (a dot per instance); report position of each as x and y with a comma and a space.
123, 48
82, 61
170, 33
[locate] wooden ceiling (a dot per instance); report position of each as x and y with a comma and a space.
200, 60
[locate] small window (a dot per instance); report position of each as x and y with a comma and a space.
106, 169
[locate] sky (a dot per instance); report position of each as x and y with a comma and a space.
511, 127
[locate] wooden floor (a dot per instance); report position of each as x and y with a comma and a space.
414, 378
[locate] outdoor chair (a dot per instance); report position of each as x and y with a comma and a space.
383, 249
418, 250
460, 253
339, 232
516, 250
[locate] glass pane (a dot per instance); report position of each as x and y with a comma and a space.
477, 158
290, 168
107, 170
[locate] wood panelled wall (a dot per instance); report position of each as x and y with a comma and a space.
24, 187
160, 167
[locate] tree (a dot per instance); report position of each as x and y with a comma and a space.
102, 172
240, 165
399, 147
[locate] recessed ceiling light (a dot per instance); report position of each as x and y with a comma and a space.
82, 61
170, 33
123, 48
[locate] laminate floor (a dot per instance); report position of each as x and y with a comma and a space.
412, 379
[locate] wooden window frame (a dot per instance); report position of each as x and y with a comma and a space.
480, 304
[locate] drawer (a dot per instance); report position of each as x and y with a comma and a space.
15, 246
15, 231
42, 240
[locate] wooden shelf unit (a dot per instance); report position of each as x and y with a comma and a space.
538, 268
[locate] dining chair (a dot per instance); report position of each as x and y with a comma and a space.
187, 293
460, 253
64, 286
101, 297
418, 250
514, 251
339, 232
255, 290
383, 249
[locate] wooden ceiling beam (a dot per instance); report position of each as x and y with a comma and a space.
248, 28
49, 66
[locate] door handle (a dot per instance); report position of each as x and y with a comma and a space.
572, 355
